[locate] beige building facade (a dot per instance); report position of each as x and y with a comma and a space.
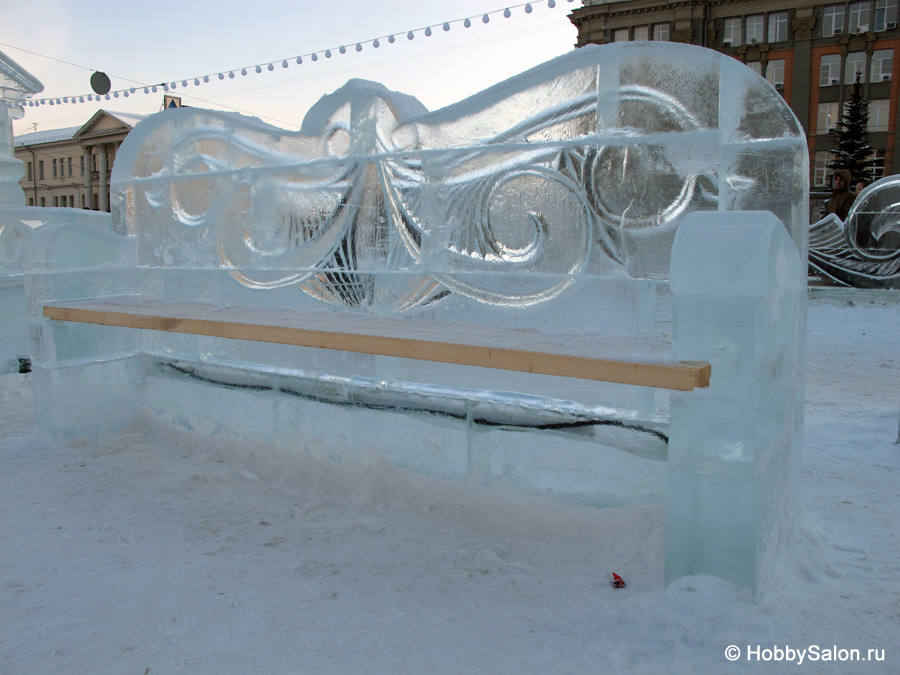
810, 52
71, 167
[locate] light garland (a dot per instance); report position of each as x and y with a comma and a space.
199, 80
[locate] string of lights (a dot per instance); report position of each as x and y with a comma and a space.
312, 57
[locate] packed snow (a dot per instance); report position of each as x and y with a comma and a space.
155, 550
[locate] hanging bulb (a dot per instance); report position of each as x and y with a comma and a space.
231, 74
243, 71
299, 60
315, 57
284, 64
173, 86
327, 53
358, 47
467, 23
376, 43
410, 35
551, 3
206, 78
81, 99
391, 39
342, 49
125, 94
507, 13
258, 69
446, 26
486, 18
528, 8
271, 67
428, 32
221, 76
196, 82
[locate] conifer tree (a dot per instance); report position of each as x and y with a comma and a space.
853, 152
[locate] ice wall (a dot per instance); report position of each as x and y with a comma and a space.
17, 225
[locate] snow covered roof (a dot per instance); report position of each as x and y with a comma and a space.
37, 137
51, 135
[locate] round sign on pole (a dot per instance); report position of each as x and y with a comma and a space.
100, 83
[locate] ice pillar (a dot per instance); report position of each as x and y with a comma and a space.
739, 302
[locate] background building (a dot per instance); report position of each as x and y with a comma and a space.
71, 167
810, 52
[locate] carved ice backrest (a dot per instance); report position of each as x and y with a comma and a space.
579, 169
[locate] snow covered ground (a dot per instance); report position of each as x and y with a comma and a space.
153, 550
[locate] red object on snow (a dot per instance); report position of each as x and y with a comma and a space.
617, 582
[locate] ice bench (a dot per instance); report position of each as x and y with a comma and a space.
598, 211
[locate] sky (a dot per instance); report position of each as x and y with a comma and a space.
62, 42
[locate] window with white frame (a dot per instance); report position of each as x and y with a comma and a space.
661, 32
882, 65
827, 117
878, 115
621, 35
775, 73
855, 64
885, 14
878, 167
641, 33
731, 32
28, 173
755, 29
778, 26
820, 170
833, 20
860, 17
830, 70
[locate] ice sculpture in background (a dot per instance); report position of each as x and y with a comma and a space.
864, 250
16, 85
584, 164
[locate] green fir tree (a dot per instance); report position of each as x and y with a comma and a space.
853, 152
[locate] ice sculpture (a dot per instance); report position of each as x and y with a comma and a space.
864, 250
584, 165
547, 204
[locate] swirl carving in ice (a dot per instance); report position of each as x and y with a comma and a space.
864, 250
582, 166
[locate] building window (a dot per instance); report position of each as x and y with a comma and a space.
833, 20
82, 165
860, 17
820, 172
70, 167
755, 29
878, 115
641, 33
43, 201
41, 171
82, 201
756, 67
731, 33
93, 162
885, 14
621, 35
827, 117
31, 201
661, 32
882, 65
55, 201
28, 171
778, 26
878, 167
775, 73
54, 168
830, 70
855, 65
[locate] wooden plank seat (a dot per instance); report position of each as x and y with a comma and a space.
519, 350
